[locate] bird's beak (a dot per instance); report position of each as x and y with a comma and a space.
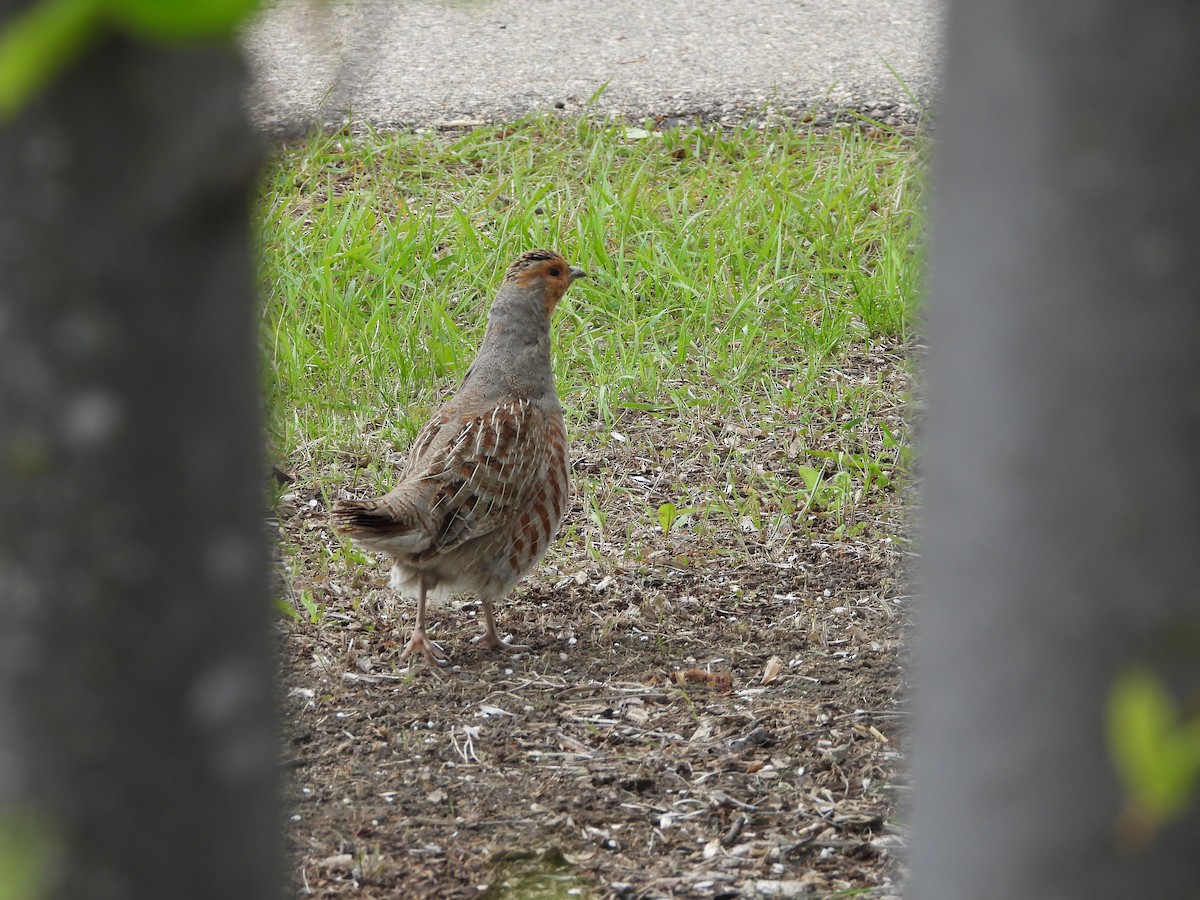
577, 272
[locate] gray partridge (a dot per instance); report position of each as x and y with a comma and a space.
486, 482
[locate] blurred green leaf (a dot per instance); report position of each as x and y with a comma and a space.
38, 43
26, 849
1156, 754
181, 20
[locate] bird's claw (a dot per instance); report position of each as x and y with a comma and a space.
433, 654
493, 641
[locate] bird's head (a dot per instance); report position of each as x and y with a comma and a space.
545, 272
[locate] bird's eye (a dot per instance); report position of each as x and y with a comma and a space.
555, 271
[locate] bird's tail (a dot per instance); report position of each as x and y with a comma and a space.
353, 516
391, 520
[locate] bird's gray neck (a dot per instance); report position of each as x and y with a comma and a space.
516, 347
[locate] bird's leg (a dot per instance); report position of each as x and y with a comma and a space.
490, 638
420, 640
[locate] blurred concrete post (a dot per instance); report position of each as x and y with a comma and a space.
137, 737
1062, 441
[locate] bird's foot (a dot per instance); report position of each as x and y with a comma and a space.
493, 641
433, 654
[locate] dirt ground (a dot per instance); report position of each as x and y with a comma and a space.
711, 712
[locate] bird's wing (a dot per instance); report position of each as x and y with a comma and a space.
484, 473
427, 440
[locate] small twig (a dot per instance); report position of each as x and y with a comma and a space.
467, 750
720, 798
467, 823
375, 678
576, 746
735, 829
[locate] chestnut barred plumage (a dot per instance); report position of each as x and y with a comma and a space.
486, 482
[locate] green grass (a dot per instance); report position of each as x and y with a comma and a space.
734, 274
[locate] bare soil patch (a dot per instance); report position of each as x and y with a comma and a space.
707, 713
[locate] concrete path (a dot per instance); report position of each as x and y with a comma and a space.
423, 62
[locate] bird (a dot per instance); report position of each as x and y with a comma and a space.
486, 483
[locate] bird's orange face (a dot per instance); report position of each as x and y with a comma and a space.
546, 272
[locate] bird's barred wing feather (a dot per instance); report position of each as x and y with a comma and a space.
485, 473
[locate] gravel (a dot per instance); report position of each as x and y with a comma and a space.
460, 63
